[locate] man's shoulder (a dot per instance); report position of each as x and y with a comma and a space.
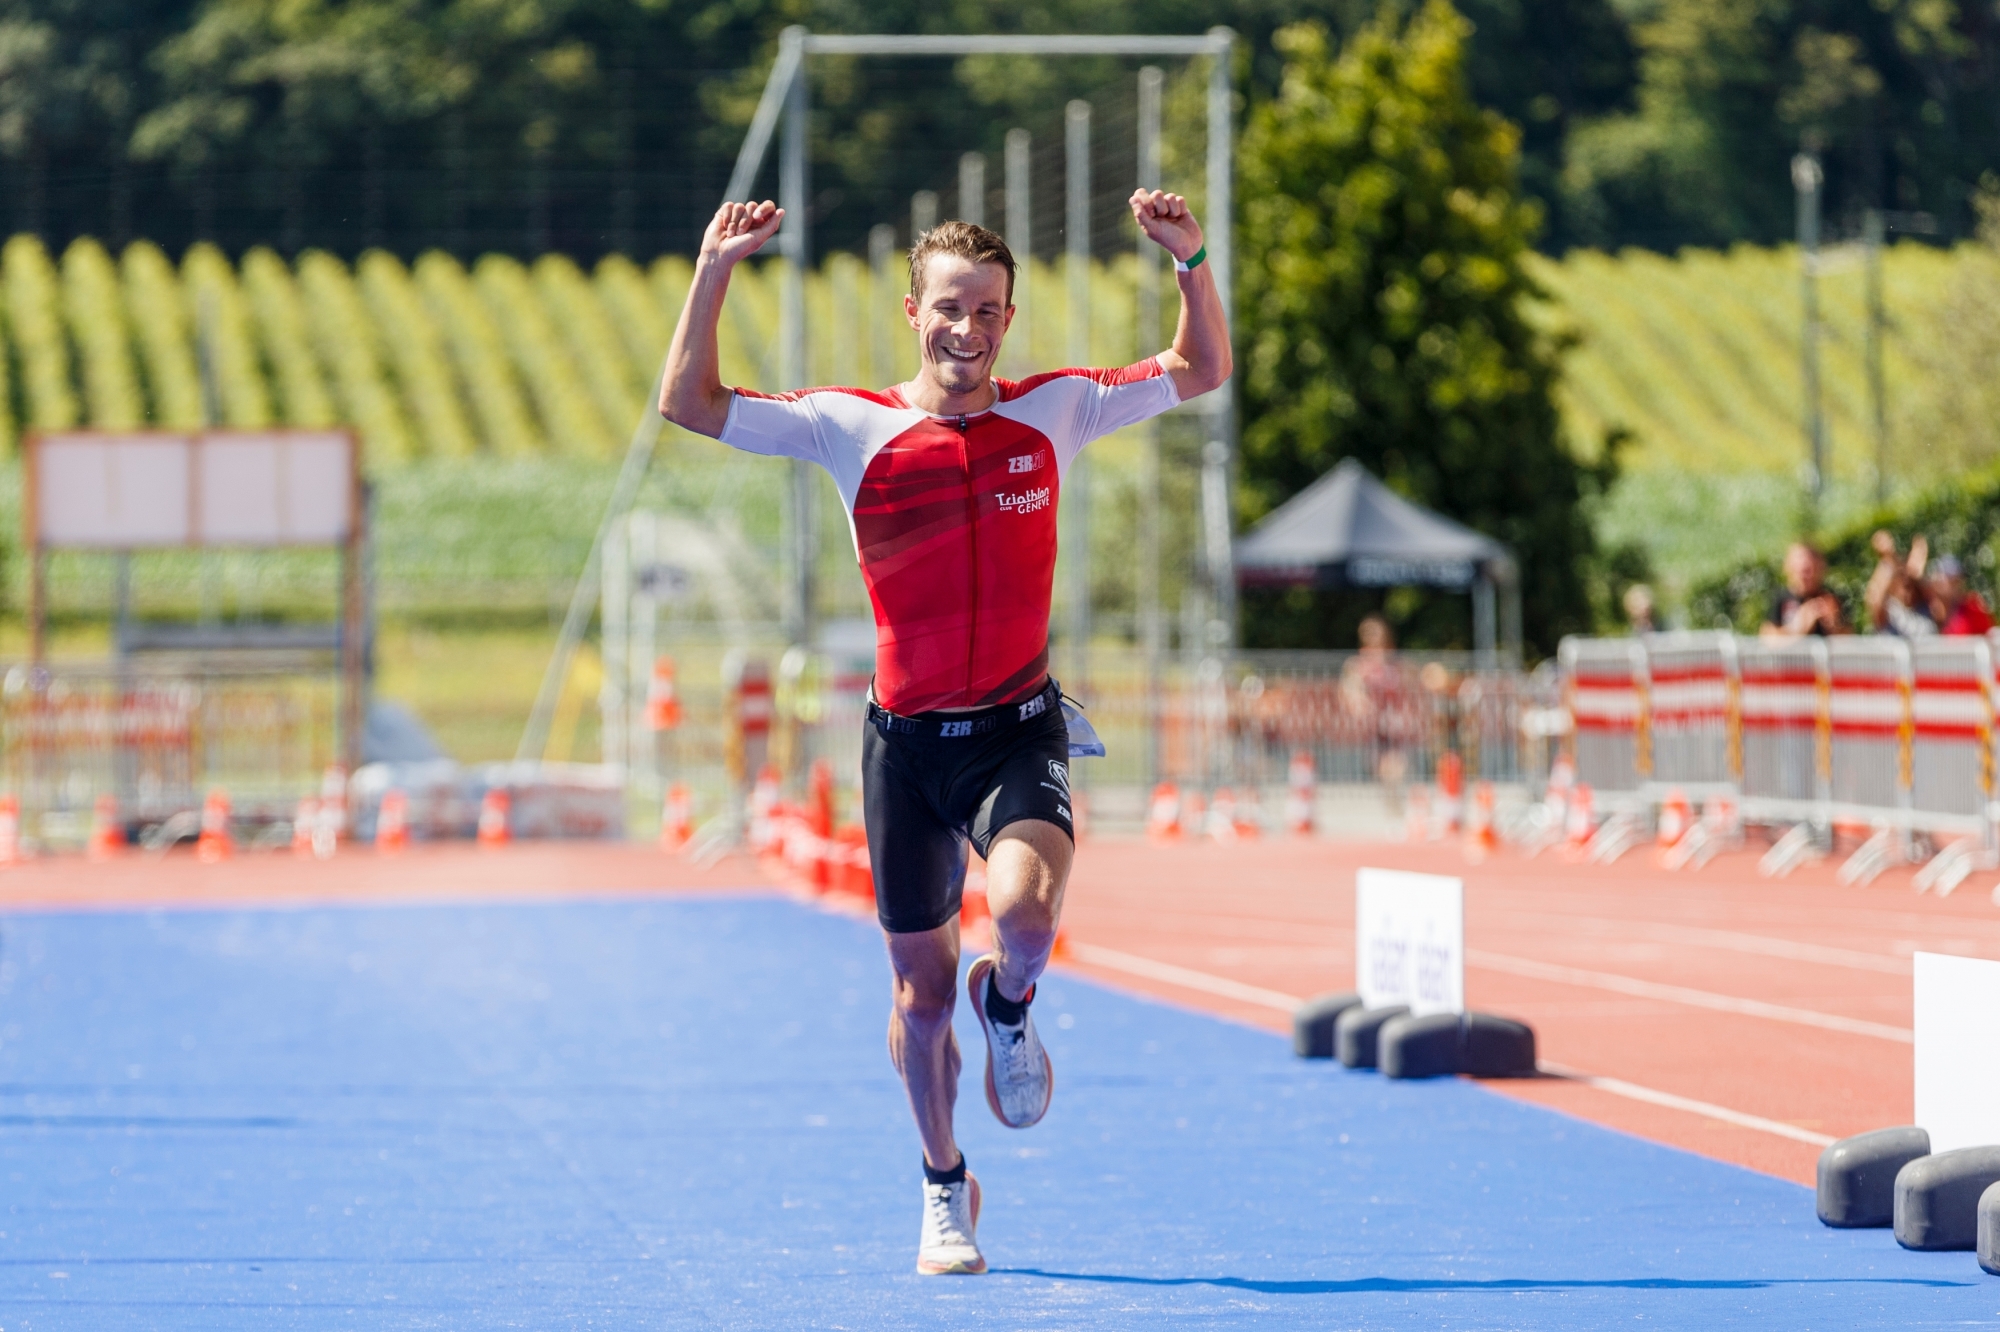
888, 397
1012, 390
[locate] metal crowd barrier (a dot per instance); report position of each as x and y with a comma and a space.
159, 737
1890, 732
1362, 718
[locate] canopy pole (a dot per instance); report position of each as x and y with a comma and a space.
1483, 619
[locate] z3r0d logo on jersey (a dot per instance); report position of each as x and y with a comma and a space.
1027, 462
1026, 501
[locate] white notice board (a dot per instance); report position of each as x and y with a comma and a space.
1409, 940
1958, 1057
134, 490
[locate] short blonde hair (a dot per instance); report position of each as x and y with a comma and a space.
963, 240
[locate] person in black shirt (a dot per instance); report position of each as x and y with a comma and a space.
1805, 606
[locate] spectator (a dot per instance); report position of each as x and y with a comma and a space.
1956, 608
1371, 679
1897, 601
1373, 688
1805, 606
1638, 601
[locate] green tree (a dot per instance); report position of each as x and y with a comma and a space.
1897, 95
1382, 296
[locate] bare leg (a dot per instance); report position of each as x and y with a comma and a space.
1026, 870
921, 1043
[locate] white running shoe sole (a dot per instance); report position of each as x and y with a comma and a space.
976, 1265
975, 988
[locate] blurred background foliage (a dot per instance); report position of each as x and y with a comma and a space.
434, 219
1384, 317
591, 126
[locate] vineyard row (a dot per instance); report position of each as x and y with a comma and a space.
1698, 354
433, 359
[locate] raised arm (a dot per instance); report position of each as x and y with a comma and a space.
1200, 358
692, 394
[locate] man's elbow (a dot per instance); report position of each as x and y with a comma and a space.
691, 413
1215, 374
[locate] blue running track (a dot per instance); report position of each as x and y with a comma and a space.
679, 1113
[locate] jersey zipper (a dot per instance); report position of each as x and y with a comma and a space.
972, 561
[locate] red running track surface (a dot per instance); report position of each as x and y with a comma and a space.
1786, 1002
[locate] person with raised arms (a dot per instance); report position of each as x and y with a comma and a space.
951, 483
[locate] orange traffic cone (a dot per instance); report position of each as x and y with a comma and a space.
305, 820
1299, 796
329, 826
1581, 821
676, 818
819, 817
107, 839
663, 701
763, 810
1451, 791
1163, 815
495, 809
1222, 815
1249, 818
1417, 814
392, 822
332, 809
1676, 817
10, 830
1720, 816
214, 843
1194, 815
1481, 838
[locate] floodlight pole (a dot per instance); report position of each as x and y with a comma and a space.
1151, 81
1020, 239
1219, 457
1873, 229
1806, 178
881, 256
1076, 486
972, 188
795, 243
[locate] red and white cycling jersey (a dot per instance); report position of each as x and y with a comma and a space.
954, 518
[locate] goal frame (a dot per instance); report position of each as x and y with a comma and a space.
786, 99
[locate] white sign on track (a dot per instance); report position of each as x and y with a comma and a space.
1958, 1074
1409, 940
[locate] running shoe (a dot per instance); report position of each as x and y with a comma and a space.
1019, 1077
951, 1218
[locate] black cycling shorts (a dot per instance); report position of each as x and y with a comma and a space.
932, 782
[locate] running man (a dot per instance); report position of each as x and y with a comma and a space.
951, 483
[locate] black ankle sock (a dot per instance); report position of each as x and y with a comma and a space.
1002, 1009
955, 1175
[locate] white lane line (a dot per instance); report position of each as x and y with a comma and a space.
1734, 941
1633, 1091
1185, 977
1681, 994
1188, 978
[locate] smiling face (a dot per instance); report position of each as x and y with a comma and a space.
961, 314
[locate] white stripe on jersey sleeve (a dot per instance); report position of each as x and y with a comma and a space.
1073, 409
839, 430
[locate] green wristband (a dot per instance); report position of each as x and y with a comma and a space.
1193, 261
